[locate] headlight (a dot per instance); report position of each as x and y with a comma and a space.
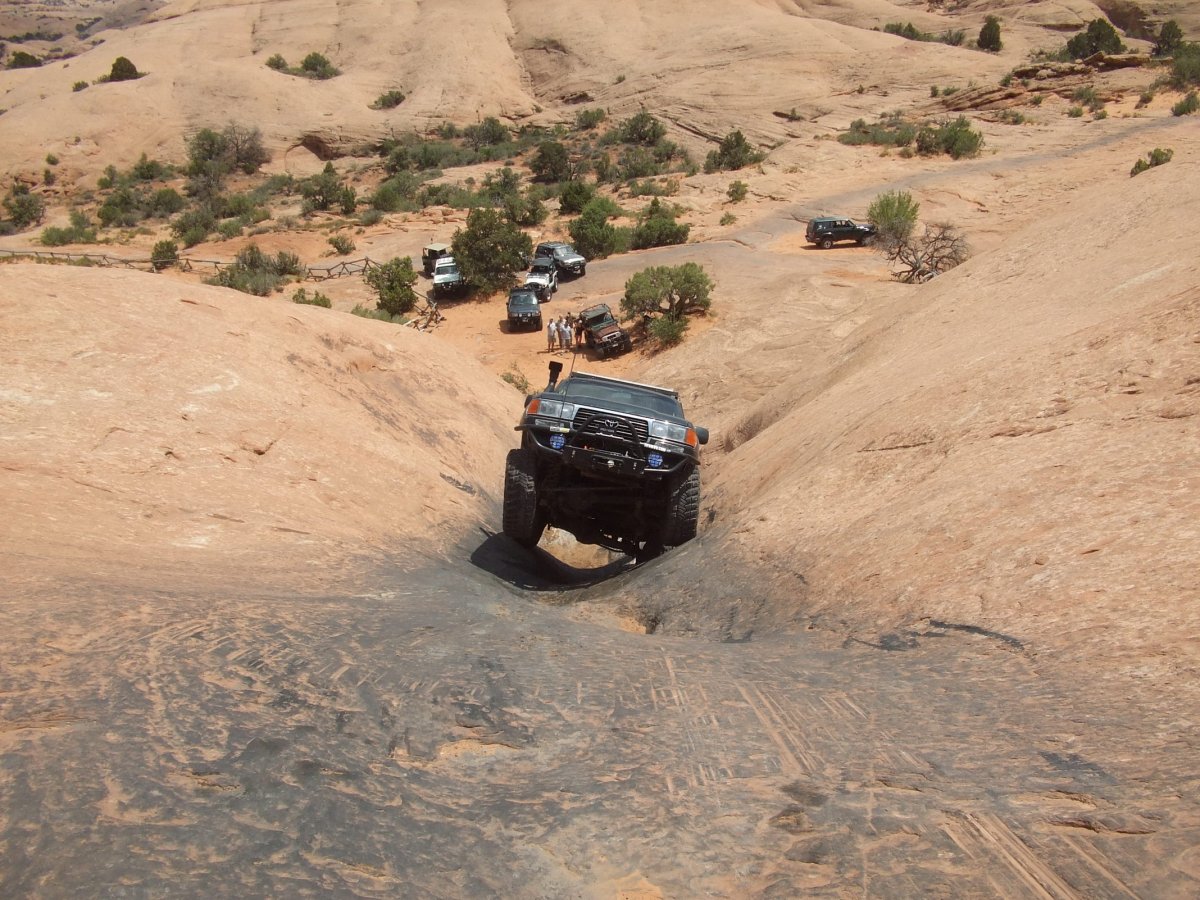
555, 408
667, 431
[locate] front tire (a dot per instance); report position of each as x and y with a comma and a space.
826, 243
683, 511
523, 521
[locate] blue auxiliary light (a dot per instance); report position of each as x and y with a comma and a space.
654, 460
557, 441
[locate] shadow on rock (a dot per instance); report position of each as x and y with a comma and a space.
537, 570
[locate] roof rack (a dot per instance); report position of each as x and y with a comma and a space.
652, 387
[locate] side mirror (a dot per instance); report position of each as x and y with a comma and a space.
701, 434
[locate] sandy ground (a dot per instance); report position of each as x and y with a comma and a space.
938, 635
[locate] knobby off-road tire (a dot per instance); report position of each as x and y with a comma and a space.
683, 511
826, 243
523, 521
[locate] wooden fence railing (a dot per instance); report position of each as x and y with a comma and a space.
184, 263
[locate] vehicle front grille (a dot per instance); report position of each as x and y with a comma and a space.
597, 423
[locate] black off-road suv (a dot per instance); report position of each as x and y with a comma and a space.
564, 256
825, 231
524, 310
616, 463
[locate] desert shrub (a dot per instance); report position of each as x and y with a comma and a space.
79, 86
1075, 112
490, 132
906, 30
516, 378
393, 285
232, 148
1037, 99
80, 231
1100, 114
490, 250
277, 62
727, 219
636, 162
650, 187
551, 163
954, 37
370, 217
641, 128
397, 193
933, 90
734, 153
587, 119
388, 100
164, 202
667, 331
737, 190
894, 213
672, 292
1155, 157
123, 70
22, 60
1098, 37
591, 233
317, 66
1087, 96
325, 191
1170, 37
938, 249
657, 227
194, 225
524, 210
255, 272
24, 208
1187, 105
341, 243
1012, 117
452, 195
165, 253
989, 35
889, 131
316, 298
574, 196
1185, 65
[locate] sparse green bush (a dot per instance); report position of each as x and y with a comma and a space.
80, 231
165, 253
317, 66
591, 233
388, 100
397, 193
1185, 65
255, 272
220, 153
79, 86
551, 163
587, 119
737, 191
641, 128
894, 214
889, 131
933, 90
1186, 106
341, 243
1098, 37
657, 227
728, 219
325, 191
574, 196
1170, 37
24, 208
734, 153
123, 70
277, 62
1155, 157
1087, 96
393, 285
316, 298
22, 60
989, 35
1075, 112
490, 132
370, 217
668, 330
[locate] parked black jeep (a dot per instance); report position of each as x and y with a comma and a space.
524, 310
616, 463
825, 231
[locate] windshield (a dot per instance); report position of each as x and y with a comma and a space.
450, 269
523, 299
621, 395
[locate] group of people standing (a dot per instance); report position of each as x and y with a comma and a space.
559, 333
